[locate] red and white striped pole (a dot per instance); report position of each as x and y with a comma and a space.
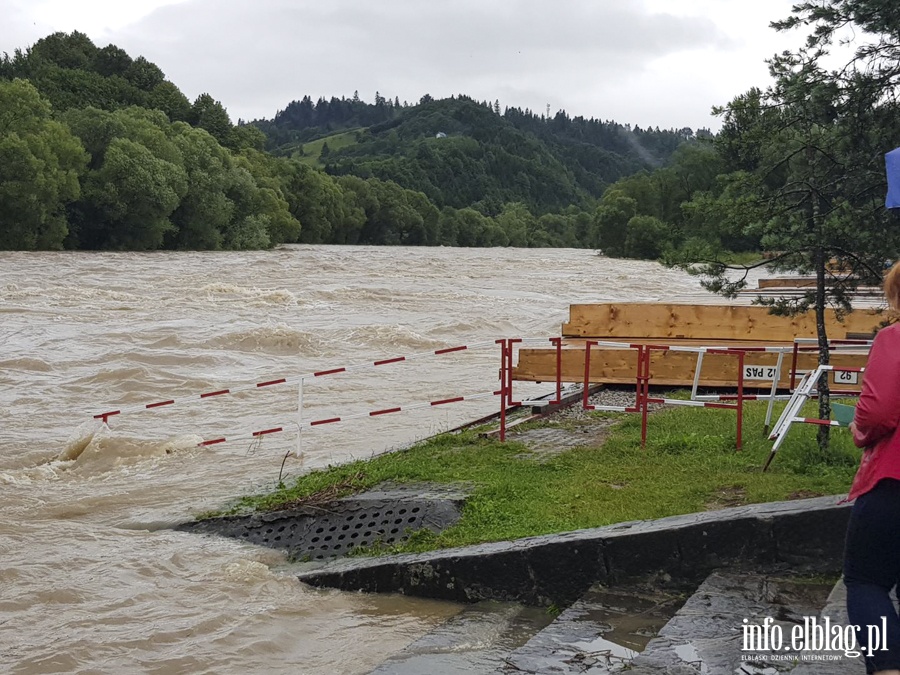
504, 394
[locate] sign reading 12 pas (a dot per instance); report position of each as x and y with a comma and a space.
768, 373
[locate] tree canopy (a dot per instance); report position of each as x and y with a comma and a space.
101, 151
805, 161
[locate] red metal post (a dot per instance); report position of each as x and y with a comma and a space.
794, 366
503, 393
558, 343
644, 376
740, 400
509, 375
585, 394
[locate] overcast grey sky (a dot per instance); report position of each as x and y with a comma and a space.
646, 62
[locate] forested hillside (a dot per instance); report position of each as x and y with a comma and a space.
461, 153
100, 151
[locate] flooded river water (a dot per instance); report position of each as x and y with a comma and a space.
91, 578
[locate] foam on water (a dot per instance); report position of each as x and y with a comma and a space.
277, 339
259, 296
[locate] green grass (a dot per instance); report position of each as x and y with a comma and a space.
312, 150
689, 464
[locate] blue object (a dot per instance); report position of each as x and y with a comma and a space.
892, 165
843, 414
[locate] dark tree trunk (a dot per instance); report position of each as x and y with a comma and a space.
824, 433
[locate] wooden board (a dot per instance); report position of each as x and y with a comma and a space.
786, 282
807, 282
618, 366
665, 322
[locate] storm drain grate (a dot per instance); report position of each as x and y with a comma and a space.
386, 515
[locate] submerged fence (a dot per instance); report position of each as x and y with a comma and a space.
499, 385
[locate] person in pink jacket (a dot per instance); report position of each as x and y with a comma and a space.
872, 555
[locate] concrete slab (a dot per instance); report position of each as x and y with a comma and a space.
560, 568
600, 633
707, 635
829, 662
476, 641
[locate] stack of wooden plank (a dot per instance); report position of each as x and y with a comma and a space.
689, 325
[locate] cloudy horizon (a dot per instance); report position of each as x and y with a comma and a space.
644, 63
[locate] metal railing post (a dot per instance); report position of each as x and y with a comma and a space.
585, 394
740, 400
558, 343
503, 392
644, 361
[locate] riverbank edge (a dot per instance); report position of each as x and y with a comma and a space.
805, 536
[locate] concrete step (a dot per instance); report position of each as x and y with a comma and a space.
707, 635
828, 662
600, 633
477, 640
639, 630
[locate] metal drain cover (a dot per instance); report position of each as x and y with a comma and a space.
387, 514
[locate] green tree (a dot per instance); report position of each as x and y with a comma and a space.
205, 211
814, 143
209, 114
40, 162
143, 74
647, 237
262, 195
136, 179
66, 50
518, 224
167, 97
611, 219
557, 230
111, 60
135, 192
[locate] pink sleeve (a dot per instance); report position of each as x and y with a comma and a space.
878, 410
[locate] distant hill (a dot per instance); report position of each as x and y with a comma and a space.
460, 152
101, 151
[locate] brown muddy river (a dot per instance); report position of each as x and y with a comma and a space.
91, 579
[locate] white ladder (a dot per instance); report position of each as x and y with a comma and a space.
791, 411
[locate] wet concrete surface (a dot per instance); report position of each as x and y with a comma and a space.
706, 636
572, 427
477, 640
837, 662
600, 633
546, 442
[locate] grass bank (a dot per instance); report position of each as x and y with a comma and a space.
688, 465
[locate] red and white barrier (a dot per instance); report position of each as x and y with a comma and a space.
274, 381
505, 391
643, 377
298, 427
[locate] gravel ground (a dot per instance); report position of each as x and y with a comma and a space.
616, 397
